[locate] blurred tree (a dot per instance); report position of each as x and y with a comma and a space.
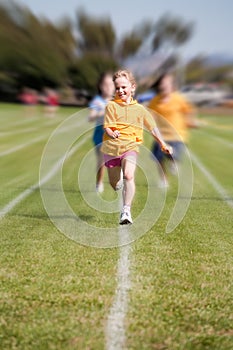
96, 51
38, 53
170, 33
199, 70
131, 43
195, 69
34, 52
96, 35
48, 51
86, 70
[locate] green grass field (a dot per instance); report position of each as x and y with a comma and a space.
168, 291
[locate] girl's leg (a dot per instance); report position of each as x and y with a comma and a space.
160, 159
162, 174
100, 167
128, 167
100, 174
114, 175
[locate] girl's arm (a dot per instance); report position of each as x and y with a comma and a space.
112, 133
96, 111
94, 114
158, 137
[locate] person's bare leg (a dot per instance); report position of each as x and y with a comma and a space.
114, 176
100, 174
128, 167
100, 170
173, 166
163, 175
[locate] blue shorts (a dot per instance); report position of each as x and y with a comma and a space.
178, 148
98, 135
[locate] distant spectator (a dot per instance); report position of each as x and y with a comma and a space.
29, 98
51, 101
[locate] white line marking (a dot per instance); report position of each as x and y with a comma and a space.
4, 211
215, 126
11, 133
13, 123
219, 139
17, 148
222, 192
115, 328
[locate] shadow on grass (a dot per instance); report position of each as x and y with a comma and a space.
86, 218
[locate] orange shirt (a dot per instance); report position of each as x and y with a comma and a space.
173, 116
129, 120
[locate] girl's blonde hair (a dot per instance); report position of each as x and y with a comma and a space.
125, 73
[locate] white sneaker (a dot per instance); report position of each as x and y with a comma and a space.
163, 184
173, 169
100, 187
125, 218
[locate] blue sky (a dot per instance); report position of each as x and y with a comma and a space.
213, 19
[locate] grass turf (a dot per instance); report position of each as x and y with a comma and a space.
56, 293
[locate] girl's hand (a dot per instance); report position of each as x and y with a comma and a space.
166, 149
115, 134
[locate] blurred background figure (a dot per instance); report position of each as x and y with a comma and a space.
29, 98
51, 101
97, 106
174, 114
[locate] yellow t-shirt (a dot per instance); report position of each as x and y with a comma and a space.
172, 116
129, 120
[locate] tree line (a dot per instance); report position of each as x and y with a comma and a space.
36, 52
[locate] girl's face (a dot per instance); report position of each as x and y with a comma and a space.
107, 87
124, 89
166, 85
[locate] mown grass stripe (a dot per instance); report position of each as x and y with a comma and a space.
16, 132
35, 187
19, 147
221, 191
217, 138
23, 145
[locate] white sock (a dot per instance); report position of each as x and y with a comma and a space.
126, 208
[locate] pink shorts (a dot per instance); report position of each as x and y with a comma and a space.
111, 161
